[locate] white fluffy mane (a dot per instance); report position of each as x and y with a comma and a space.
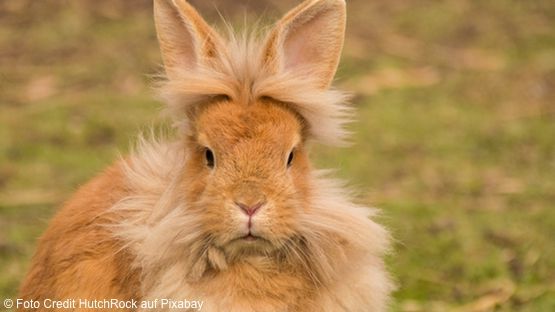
168, 244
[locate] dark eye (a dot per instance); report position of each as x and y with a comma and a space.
209, 158
290, 159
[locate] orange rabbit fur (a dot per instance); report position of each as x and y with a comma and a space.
231, 211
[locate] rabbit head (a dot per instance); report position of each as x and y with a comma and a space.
246, 109
246, 173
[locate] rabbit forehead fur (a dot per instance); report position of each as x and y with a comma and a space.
230, 128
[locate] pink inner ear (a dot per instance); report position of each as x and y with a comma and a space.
185, 38
313, 45
300, 50
294, 53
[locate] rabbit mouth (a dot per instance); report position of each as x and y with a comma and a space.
250, 238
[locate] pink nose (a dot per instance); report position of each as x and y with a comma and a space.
249, 210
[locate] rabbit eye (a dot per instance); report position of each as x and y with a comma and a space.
209, 158
290, 159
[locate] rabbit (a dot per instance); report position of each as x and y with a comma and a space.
230, 212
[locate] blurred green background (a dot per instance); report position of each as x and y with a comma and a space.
455, 138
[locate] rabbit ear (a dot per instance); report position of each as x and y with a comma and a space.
186, 40
309, 39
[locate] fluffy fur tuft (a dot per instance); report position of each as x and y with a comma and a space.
242, 75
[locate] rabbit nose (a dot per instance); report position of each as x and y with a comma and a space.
250, 210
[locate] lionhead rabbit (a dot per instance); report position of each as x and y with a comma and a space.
230, 213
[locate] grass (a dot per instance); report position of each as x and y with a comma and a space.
455, 138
